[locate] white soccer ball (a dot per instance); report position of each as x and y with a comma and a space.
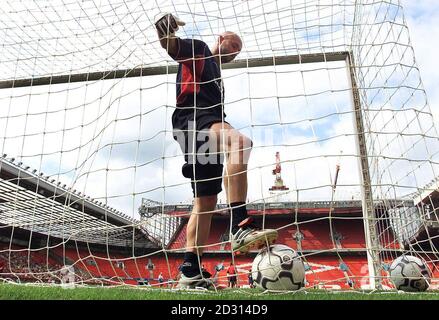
278, 268
410, 274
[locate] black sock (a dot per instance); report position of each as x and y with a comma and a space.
239, 213
190, 266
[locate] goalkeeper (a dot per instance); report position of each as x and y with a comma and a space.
198, 122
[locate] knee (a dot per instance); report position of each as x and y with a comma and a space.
206, 203
244, 144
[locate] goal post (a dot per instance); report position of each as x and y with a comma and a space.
369, 215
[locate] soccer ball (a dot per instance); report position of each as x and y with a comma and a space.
278, 268
410, 274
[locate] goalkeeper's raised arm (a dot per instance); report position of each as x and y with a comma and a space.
167, 24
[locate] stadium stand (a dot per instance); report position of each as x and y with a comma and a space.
339, 263
22, 265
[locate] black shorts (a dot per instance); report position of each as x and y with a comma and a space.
204, 164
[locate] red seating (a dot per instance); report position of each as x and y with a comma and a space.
26, 264
348, 234
214, 242
352, 233
180, 240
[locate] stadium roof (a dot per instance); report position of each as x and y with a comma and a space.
302, 208
31, 202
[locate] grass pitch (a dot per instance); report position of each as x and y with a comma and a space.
35, 292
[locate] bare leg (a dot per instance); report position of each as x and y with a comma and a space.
198, 227
237, 148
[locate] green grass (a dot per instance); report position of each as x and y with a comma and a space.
34, 292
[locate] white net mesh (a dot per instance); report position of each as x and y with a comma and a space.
86, 99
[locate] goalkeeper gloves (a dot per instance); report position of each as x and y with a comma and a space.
167, 24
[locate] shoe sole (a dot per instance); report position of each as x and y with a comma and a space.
194, 288
189, 285
258, 243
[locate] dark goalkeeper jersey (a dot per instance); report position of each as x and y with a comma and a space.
200, 92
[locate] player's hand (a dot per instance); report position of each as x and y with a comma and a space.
167, 24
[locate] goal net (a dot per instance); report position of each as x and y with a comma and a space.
91, 190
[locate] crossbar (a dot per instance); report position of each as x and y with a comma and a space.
170, 69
